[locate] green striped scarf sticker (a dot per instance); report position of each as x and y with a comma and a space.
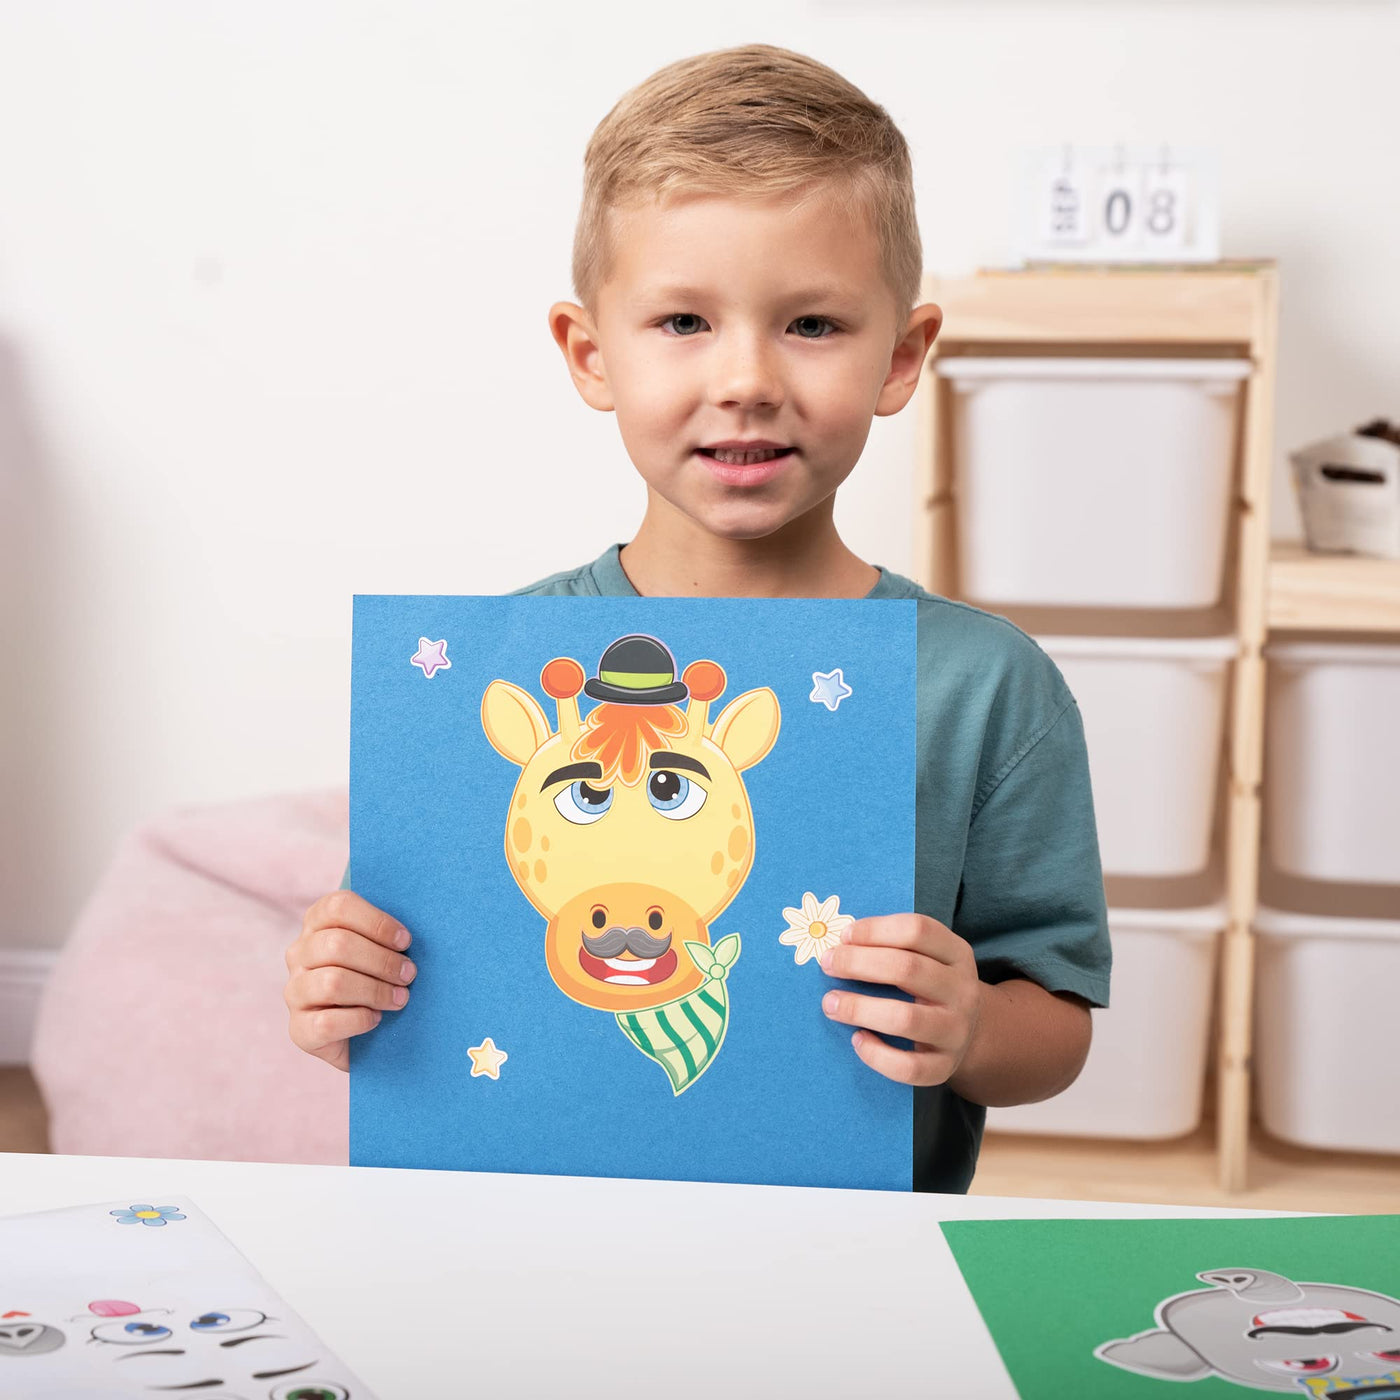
684, 1036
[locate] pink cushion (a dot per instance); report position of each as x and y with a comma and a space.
162, 1031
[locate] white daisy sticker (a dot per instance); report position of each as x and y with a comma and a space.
814, 928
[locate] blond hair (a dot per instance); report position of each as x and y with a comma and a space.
750, 121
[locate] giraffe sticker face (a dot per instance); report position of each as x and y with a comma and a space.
630, 831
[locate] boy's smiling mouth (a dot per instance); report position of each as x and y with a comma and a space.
744, 468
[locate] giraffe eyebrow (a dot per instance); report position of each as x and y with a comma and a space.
570, 771
662, 759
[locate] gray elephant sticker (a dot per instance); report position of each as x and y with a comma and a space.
1263, 1331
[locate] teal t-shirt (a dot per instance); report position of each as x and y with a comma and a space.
1006, 850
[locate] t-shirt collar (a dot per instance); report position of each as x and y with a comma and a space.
611, 579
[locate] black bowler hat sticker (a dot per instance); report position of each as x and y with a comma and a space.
637, 670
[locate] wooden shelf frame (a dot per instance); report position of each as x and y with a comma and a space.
1225, 309
1332, 592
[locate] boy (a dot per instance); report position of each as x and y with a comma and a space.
746, 258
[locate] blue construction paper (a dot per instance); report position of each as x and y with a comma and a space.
785, 1099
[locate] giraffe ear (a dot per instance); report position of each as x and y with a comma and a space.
747, 727
513, 721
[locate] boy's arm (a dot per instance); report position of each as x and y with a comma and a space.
999, 1010
1028, 1045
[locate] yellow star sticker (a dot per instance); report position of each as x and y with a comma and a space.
486, 1059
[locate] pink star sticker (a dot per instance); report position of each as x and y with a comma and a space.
431, 657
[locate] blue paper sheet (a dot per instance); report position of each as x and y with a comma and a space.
610, 885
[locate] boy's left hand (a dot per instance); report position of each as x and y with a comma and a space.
930, 962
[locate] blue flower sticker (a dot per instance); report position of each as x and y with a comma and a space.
146, 1215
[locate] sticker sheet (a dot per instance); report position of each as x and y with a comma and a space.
622, 833
134, 1298
1190, 1309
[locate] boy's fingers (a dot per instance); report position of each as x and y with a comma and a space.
911, 972
910, 1020
922, 1067
345, 909
313, 1031
338, 987
341, 947
912, 931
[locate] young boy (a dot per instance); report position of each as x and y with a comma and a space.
747, 258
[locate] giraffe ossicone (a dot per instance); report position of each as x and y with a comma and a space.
630, 830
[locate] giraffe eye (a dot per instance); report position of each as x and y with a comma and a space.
581, 804
674, 795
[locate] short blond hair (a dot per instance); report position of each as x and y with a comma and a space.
750, 121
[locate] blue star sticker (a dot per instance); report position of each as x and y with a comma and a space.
829, 688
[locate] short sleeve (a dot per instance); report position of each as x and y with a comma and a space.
1031, 900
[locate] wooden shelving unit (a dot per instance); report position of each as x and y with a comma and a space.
1219, 309
1332, 592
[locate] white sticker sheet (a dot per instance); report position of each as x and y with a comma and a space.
132, 1298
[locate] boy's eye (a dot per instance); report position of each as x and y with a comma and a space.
801, 320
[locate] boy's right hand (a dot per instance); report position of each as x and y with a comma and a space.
347, 968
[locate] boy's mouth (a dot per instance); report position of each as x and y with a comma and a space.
745, 468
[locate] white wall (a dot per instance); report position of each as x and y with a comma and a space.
273, 284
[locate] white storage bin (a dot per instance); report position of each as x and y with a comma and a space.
1093, 482
1332, 769
1327, 1036
1154, 712
1146, 1066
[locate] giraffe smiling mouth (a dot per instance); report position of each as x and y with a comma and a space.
629, 972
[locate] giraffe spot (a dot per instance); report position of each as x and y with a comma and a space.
732, 878
540, 871
738, 842
716, 862
520, 802
523, 871
521, 835
735, 812
544, 844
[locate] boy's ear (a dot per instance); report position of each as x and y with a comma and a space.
513, 721
747, 727
574, 332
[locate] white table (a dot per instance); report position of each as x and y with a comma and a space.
457, 1284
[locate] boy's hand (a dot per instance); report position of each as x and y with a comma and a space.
930, 962
347, 968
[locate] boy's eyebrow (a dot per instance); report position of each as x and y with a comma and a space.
830, 291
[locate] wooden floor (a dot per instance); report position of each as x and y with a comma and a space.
1173, 1173
1183, 1172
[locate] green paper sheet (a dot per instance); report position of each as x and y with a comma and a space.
1303, 1306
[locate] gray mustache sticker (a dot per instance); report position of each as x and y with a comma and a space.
636, 941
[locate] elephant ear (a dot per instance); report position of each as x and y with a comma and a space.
1157, 1353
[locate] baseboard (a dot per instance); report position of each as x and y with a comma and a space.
23, 972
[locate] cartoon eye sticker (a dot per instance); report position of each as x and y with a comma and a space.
674, 795
1299, 1366
1390, 1356
582, 803
310, 1390
234, 1320
131, 1334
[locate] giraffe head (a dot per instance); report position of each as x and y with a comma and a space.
629, 829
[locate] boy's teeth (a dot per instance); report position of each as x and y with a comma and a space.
745, 459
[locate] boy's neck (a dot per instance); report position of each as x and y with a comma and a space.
671, 556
